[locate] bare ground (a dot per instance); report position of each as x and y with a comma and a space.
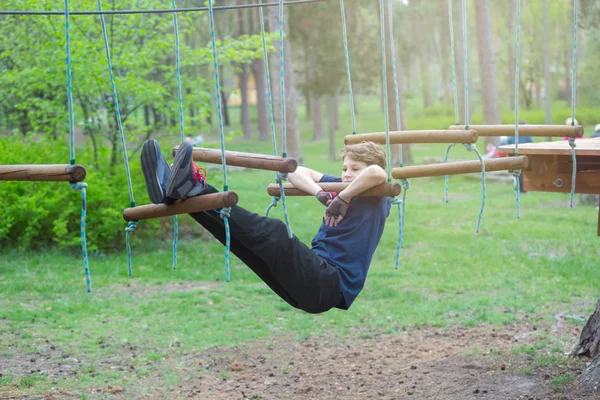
428, 363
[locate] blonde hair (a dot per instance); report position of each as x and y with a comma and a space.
367, 152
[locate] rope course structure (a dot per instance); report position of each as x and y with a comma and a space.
72, 172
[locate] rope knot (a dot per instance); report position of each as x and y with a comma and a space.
280, 177
78, 185
572, 142
516, 173
225, 212
396, 201
131, 226
405, 184
469, 146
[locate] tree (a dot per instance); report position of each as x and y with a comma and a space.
243, 81
487, 65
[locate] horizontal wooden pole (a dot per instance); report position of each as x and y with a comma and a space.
408, 137
43, 173
248, 160
191, 205
460, 167
391, 189
525, 130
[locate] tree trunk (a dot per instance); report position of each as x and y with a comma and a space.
487, 65
445, 51
423, 63
243, 82
589, 346
294, 148
317, 118
459, 60
547, 76
331, 106
258, 70
336, 112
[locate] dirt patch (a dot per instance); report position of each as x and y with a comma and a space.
430, 363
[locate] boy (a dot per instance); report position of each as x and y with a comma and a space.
332, 272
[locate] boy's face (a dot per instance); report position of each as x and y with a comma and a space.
351, 168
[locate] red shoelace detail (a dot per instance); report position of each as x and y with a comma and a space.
198, 175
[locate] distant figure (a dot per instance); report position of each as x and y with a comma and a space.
511, 140
596, 131
568, 122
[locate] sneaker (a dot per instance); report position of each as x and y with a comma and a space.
186, 179
156, 171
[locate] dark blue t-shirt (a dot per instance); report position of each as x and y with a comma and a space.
349, 246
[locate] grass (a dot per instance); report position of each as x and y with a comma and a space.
532, 267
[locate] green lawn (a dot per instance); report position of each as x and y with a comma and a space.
534, 267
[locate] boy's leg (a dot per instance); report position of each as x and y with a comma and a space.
286, 265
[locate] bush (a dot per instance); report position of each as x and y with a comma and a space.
38, 214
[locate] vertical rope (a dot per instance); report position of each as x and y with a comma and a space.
573, 99
181, 122
346, 54
454, 86
282, 82
385, 93
517, 173
454, 91
225, 212
133, 224
466, 61
279, 177
76, 186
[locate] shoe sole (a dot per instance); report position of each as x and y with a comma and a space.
178, 185
150, 156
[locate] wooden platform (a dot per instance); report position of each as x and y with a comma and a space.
551, 166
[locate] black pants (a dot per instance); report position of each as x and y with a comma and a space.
289, 267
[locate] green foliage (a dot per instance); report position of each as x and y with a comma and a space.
36, 214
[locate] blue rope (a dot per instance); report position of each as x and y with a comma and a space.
399, 245
279, 176
76, 186
385, 93
346, 54
224, 211
282, 81
118, 115
454, 86
128, 231
82, 187
472, 147
181, 122
466, 52
395, 74
446, 178
517, 172
573, 98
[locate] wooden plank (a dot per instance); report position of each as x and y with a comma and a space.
391, 189
407, 137
248, 160
525, 130
460, 167
586, 182
583, 147
194, 204
43, 172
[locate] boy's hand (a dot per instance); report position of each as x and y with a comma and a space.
326, 197
336, 211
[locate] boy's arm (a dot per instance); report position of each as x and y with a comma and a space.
371, 176
306, 180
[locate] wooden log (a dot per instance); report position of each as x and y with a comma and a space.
248, 160
460, 167
43, 172
194, 204
391, 189
525, 130
408, 137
